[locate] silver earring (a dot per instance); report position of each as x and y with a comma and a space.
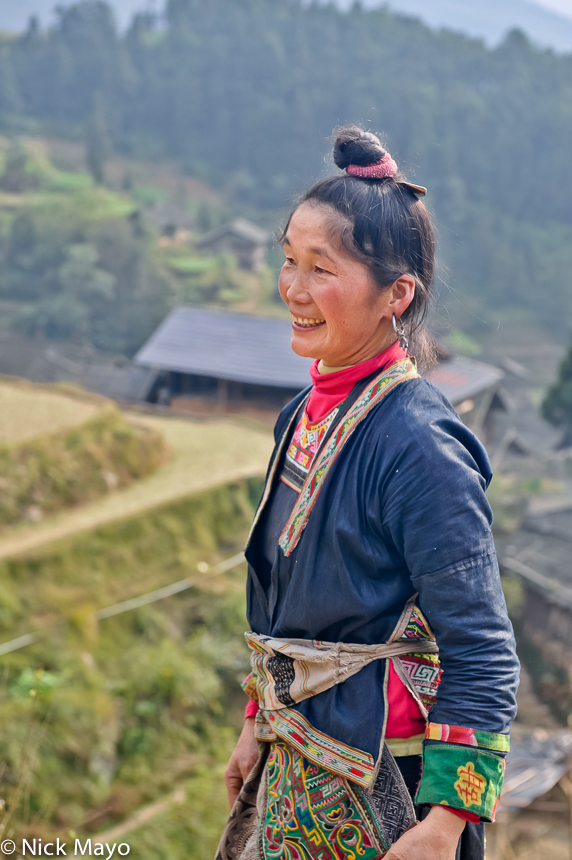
399, 330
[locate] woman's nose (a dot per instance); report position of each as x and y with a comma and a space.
297, 288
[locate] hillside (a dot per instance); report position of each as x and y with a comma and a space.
99, 264
487, 19
486, 130
100, 719
107, 723
202, 454
59, 450
15, 14
492, 20
27, 411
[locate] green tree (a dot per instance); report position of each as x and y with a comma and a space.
10, 99
97, 142
557, 405
244, 92
17, 176
94, 282
82, 286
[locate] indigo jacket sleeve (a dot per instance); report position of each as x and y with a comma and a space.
438, 518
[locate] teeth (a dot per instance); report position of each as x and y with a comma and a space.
306, 322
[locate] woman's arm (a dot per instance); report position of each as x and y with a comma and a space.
437, 515
241, 761
434, 838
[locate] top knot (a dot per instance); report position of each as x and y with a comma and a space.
361, 154
358, 147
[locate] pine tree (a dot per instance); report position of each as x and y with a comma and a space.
10, 100
15, 179
557, 405
97, 143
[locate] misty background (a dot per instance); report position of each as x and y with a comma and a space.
149, 153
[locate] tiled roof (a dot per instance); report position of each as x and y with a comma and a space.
256, 350
241, 228
226, 345
462, 378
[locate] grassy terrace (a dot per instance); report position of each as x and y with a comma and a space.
123, 725
202, 455
99, 721
59, 450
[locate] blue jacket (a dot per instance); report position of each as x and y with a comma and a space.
402, 510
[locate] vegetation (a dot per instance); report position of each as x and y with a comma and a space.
81, 268
100, 452
98, 720
28, 410
242, 92
557, 405
80, 261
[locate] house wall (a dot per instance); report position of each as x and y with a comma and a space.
212, 390
249, 256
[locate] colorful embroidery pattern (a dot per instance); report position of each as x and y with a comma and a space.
417, 626
303, 448
317, 747
250, 687
424, 673
470, 785
468, 737
292, 809
421, 672
461, 777
397, 373
310, 813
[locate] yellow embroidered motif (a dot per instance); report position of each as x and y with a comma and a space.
470, 785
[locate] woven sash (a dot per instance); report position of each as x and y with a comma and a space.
288, 671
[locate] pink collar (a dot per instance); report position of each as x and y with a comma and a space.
331, 389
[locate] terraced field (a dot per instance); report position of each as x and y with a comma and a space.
27, 410
123, 725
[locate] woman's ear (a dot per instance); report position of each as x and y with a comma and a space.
401, 295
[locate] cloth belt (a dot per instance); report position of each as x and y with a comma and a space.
288, 671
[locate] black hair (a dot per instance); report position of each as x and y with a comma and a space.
384, 225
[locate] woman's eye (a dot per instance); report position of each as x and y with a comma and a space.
321, 271
289, 261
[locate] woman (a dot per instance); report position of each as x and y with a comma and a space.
384, 669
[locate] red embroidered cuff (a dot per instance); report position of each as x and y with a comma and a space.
468, 816
251, 709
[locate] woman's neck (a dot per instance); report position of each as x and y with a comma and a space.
327, 368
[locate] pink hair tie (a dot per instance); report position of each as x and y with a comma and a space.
386, 166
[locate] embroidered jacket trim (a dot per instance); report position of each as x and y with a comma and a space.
378, 388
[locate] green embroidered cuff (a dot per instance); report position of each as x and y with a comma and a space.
462, 777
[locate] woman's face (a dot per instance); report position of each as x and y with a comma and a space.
338, 313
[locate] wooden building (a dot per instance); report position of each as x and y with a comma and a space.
474, 389
203, 358
200, 358
245, 240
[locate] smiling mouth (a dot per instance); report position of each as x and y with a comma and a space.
306, 323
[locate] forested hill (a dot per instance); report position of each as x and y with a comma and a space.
244, 92
491, 19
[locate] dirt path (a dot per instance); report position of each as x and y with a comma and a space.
141, 817
205, 453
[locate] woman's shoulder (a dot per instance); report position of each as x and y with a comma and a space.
419, 421
416, 404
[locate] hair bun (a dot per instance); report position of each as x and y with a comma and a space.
355, 146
